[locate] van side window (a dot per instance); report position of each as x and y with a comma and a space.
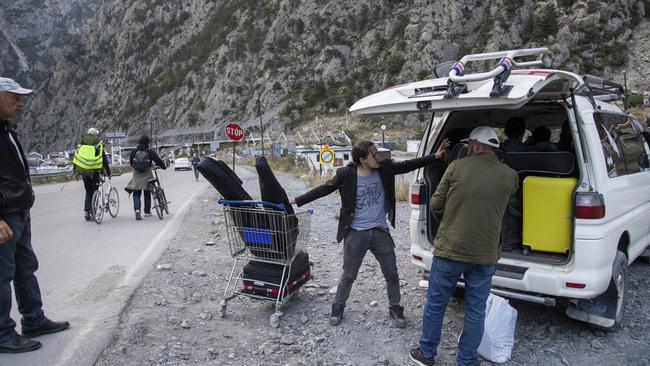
621, 144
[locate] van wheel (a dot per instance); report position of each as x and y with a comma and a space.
620, 281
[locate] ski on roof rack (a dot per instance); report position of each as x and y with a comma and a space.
597, 88
507, 62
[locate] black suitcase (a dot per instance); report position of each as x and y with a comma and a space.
272, 191
223, 179
260, 278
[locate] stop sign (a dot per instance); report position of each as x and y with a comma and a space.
234, 132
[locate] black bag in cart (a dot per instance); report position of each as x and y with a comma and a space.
286, 229
263, 279
223, 179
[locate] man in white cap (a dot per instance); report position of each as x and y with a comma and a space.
469, 203
90, 161
17, 259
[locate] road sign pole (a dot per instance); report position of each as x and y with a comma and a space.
233, 155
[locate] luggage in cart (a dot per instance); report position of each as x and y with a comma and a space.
267, 245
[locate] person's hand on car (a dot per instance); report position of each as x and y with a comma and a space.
441, 149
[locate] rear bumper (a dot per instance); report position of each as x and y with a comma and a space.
590, 265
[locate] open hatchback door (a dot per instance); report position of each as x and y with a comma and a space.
503, 87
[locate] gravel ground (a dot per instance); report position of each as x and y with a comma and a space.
172, 319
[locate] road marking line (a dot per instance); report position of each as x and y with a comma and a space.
75, 347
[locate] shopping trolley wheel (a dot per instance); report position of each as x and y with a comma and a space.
274, 319
222, 310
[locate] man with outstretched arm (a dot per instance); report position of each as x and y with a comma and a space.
367, 188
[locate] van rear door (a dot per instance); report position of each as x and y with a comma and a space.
428, 95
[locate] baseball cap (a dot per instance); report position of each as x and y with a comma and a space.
9, 85
93, 131
484, 135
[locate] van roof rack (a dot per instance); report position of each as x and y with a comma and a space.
507, 62
597, 88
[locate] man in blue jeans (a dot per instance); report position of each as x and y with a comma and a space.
17, 258
469, 203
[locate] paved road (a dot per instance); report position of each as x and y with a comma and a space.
88, 271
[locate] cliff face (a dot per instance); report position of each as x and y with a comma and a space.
201, 62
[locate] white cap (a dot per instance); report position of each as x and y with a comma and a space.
9, 85
93, 131
484, 135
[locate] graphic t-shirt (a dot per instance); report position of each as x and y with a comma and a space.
370, 211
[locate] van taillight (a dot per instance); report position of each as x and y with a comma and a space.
418, 194
590, 206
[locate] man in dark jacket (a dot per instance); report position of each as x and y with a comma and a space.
17, 259
367, 190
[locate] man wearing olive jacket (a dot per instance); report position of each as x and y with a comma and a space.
469, 203
367, 190
17, 259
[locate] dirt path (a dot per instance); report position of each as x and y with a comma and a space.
173, 318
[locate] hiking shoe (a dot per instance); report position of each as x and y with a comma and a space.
396, 313
87, 215
337, 314
417, 357
137, 215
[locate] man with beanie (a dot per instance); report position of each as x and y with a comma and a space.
18, 261
469, 203
90, 162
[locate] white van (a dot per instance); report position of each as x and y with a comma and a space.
582, 214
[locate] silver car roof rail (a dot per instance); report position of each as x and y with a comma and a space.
597, 88
500, 73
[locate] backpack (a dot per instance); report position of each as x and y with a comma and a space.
88, 158
141, 161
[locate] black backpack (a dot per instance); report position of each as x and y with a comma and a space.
141, 161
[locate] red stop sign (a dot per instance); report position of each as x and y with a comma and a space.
234, 132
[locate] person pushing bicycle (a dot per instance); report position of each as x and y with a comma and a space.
90, 161
142, 160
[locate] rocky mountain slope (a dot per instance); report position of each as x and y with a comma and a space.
33, 34
204, 62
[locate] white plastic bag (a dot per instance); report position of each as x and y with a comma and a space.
499, 334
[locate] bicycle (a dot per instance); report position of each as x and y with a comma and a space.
158, 196
104, 199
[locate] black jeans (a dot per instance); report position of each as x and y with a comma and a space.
147, 200
90, 184
381, 245
18, 263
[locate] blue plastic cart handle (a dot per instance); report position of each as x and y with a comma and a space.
279, 206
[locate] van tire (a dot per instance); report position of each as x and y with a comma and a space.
620, 280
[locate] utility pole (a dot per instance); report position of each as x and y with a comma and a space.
258, 106
383, 139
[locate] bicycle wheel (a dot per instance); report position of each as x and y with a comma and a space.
113, 202
163, 199
97, 208
156, 203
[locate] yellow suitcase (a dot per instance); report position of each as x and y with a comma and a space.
547, 213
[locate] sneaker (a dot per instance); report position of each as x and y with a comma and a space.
137, 215
147, 214
337, 314
396, 313
87, 215
417, 357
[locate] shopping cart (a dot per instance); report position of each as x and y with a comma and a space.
263, 232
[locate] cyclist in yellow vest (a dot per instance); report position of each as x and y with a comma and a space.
89, 162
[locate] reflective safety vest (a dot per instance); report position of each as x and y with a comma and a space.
87, 159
